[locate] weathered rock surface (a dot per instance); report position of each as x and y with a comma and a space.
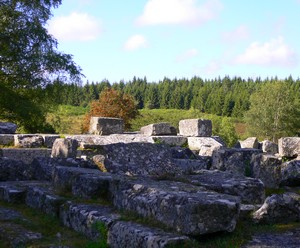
83, 218
106, 125
64, 148
158, 129
205, 145
250, 190
290, 173
234, 160
251, 142
289, 146
132, 235
192, 166
279, 209
49, 139
29, 140
26, 155
187, 209
169, 140
7, 128
7, 139
269, 147
267, 168
195, 127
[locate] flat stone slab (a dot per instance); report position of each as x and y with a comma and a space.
132, 235
29, 140
185, 208
205, 145
27, 155
250, 190
158, 129
7, 139
84, 218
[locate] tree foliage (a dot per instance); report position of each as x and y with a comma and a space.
29, 60
112, 103
274, 111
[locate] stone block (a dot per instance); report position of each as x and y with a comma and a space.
195, 127
7, 139
170, 140
185, 208
106, 126
29, 140
26, 155
158, 129
251, 143
191, 166
235, 160
64, 148
49, 139
205, 145
132, 235
7, 128
267, 168
84, 218
269, 147
289, 146
250, 190
290, 173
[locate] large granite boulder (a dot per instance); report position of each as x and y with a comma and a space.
250, 190
283, 208
29, 140
251, 142
267, 168
289, 146
7, 128
195, 127
290, 173
205, 145
64, 148
235, 160
269, 147
158, 129
106, 125
184, 208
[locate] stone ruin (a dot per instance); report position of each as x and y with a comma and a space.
190, 183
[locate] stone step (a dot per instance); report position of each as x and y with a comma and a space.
26, 155
250, 190
185, 208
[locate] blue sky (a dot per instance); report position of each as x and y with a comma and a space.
117, 40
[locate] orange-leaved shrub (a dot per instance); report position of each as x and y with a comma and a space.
112, 103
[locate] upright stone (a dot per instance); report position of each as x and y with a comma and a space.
195, 127
289, 146
7, 128
64, 148
157, 129
251, 142
269, 147
106, 126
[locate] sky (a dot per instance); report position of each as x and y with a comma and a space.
117, 40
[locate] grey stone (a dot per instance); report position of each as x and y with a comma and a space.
29, 140
9, 214
84, 218
250, 190
251, 142
49, 139
279, 209
106, 125
290, 173
132, 235
191, 166
289, 146
7, 139
267, 168
7, 128
195, 127
234, 160
269, 147
247, 210
205, 145
170, 140
185, 208
158, 129
26, 155
64, 148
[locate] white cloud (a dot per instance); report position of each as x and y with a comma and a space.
135, 42
187, 54
75, 27
178, 12
240, 33
212, 67
275, 52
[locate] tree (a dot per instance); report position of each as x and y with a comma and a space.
29, 61
227, 132
274, 111
112, 103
